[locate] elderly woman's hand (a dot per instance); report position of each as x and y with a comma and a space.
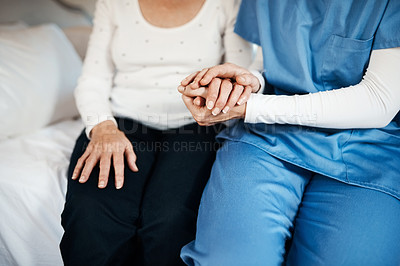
204, 116
235, 87
107, 143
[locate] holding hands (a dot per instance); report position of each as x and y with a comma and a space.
218, 93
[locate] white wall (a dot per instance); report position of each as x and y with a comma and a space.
88, 5
35, 12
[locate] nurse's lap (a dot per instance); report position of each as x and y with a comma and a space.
253, 200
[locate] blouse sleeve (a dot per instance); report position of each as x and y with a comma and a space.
94, 86
237, 49
373, 103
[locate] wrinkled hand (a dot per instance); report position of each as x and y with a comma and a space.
228, 85
204, 116
220, 94
107, 142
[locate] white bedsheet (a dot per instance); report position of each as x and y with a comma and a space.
33, 183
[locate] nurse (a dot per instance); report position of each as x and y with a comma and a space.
311, 175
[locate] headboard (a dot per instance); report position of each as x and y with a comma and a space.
65, 13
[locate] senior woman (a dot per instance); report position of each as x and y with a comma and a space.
142, 162
311, 176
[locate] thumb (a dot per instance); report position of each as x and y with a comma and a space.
248, 80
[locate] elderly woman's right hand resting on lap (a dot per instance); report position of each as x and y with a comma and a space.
107, 142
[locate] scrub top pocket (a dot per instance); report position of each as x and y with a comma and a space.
345, 61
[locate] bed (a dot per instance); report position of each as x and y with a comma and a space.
42, 43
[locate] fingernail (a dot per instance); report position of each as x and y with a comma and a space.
210, 105
226, 109
82, 179
119, 184
216, 111
74, 176
240, 101
181, 88
102, 184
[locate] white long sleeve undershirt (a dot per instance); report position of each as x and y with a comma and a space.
372, 103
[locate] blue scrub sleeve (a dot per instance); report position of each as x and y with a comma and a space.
388, 32
246, 23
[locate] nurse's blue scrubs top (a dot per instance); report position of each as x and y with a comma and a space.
318, 45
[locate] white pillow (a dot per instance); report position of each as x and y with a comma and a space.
39, 69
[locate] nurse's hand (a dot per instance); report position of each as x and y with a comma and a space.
222, 95
107, 143
222, 92
203, 115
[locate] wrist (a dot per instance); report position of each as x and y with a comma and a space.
243, 111
105, 127
239, 111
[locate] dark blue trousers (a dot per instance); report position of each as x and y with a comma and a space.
154, 214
